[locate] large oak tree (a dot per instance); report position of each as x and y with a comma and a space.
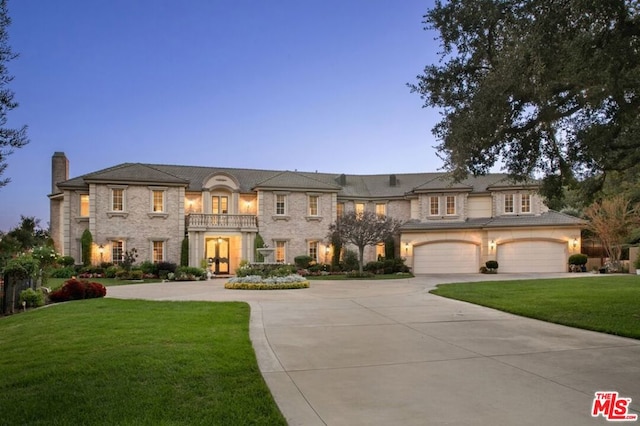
547, 87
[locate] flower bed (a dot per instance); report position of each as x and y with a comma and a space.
257, 282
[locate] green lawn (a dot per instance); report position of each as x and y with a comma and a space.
609, 304
131, 362
54, 283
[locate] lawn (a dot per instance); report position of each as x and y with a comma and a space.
132, 362
54, 283
609, 304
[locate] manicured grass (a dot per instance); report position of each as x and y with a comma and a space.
132, 362
345, 277
609, 304
54, 283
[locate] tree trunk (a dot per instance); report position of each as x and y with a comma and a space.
361, 258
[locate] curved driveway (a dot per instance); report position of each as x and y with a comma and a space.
390, 353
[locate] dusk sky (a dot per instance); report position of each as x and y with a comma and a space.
281, 84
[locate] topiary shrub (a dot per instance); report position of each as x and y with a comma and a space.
302, 261
491, 264
578, 259
77, 290
86, 241
66, 261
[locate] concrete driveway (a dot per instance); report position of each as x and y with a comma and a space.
390, 353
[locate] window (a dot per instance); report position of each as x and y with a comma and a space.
313, 250
117, 251
220, 204
451, 205
508, 203
158, 251
340, 209
434, 206
157, 201
525, 203
281, 204
359, 208
84, 205
380, 250
280, 251
117, 199
313, 205
381, 209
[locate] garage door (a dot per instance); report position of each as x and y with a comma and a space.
446, 258
532, 256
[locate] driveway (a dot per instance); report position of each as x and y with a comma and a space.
390, 353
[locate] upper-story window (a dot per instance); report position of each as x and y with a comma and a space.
220, 204
281, 204
313, 205
117, 199
381, 209
451, 205
359, 207
508, 203
84, 205
157, 201
525, 203
340, 209
434, 206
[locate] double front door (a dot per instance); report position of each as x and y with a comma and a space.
218, 255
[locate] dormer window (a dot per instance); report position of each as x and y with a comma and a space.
525, 203
508, 203
434, 206
451, 205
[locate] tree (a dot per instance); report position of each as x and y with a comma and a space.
547, 87
613, 221
363, 229
10, 139
22, 238
86, 243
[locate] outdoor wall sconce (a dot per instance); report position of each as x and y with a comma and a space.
101, 251
406, 247
492, 245
575, 243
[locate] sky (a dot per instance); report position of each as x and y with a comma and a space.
280, 85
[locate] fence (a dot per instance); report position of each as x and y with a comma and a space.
10, 293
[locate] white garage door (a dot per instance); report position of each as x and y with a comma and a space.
532, 256
446, 258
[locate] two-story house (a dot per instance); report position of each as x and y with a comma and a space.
449, 227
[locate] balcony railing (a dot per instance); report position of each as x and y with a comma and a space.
235, 221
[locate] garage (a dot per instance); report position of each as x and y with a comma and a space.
532, 256
446, 258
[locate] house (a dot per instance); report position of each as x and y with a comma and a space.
448, 227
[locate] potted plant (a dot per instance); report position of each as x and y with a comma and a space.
492, 266
577, 262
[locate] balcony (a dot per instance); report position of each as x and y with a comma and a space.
236, 222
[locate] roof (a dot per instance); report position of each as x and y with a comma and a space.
347, 186
549, 218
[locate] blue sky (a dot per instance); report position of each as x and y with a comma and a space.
307, 85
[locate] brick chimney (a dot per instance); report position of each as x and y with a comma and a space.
59, 170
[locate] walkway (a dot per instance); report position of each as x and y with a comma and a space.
390, 353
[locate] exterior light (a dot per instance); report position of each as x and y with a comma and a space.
492, 245
575, 243
406, 247
100, 249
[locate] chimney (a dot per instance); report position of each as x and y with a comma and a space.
59, 170
393, 180
342, 180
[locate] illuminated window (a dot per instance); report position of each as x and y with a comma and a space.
451, 205
117, 199
381, 209
281, 204
313, 205
508, 203
340, 209
379, 250
434, 206
313, 250
84, 205
117, 251
280, 251
158, 251
220, 204
359, 208
525, 203
157, 202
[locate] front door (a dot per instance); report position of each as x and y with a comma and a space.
218, 255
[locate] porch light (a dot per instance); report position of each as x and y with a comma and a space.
326, 250
575, 243
101, 249
406, 247
219, 240
492, 245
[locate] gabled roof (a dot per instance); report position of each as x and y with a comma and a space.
550, 218
296, 180
130, 173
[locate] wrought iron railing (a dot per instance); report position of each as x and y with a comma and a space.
199, 220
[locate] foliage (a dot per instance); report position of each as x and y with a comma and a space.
22, 267
76, 290
258, 282
544, 86
636, 261
22, 238
386, 266
259, 243
129, 258
363, 229
613, 220
66, 261
302, 261
265, 270
359, 274
188, 273
390, 248
65, 272
86, 241
10, 139
32, 298
578, 259
350, 262
148, 267
491, 264
336, 243
184, 252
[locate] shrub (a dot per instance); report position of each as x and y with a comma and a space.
491, 264
350, 262
302, 261
66, 261
22, 267
184, 252
32, 298
375, 267
578, 259
148, 267
358, 274
86, 241
66, 272
76, 290
188, 273
166, 266
257, 282
111, 271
